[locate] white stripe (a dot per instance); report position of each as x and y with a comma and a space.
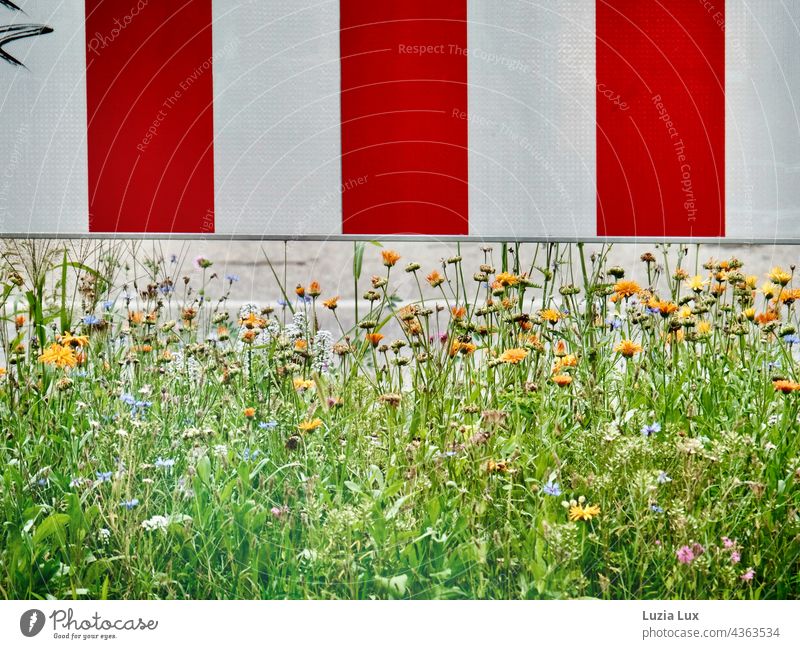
763, 118
43, 173
532, 156
277, 148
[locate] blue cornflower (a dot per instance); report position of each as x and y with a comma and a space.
90, 320
651, 429
104, 476
656, 509
232, 278
282, 302
449, 454
552, 488
248, 455
108, 305
266, 425
614, 323
164, 464
663, 478
791, 339
166, 289
173, 259
42, 482
136, 405
129, 504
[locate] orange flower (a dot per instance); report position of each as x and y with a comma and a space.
300, 345
435, 279
3, 371
785, 386
250, 412
570, 360
626, 288
458, 312
252, 321
462, 348
766, 317
331, 303
135, 317
309, 425
513, 356
562, 380
390, 258
663, 307
374, 339
59, 355
314, 289
19, 321
628, 348
300, 290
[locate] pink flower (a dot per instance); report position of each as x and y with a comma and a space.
735, 557
685, 555
697, 549
727, 542
748, 576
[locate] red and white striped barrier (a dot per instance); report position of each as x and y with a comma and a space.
518, 119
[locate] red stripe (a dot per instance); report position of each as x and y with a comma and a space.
150, 116
660, 118
404, 109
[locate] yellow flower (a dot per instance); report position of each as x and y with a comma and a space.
302, 384
626, 288
59, 355
513, 356
309, 425
704, 327
769, 290
696, 283
331, 303
550, 315
390, 258
627, 348
581, 512
780, 276
3, 371
75, 341
507, 279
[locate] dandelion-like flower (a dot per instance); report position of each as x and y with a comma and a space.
513, 356
627, 348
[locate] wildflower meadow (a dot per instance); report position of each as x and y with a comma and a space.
543, 424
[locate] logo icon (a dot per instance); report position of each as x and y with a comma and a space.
31, 622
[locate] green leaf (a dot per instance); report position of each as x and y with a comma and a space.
55, 524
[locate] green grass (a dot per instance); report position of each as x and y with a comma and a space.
428, 473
